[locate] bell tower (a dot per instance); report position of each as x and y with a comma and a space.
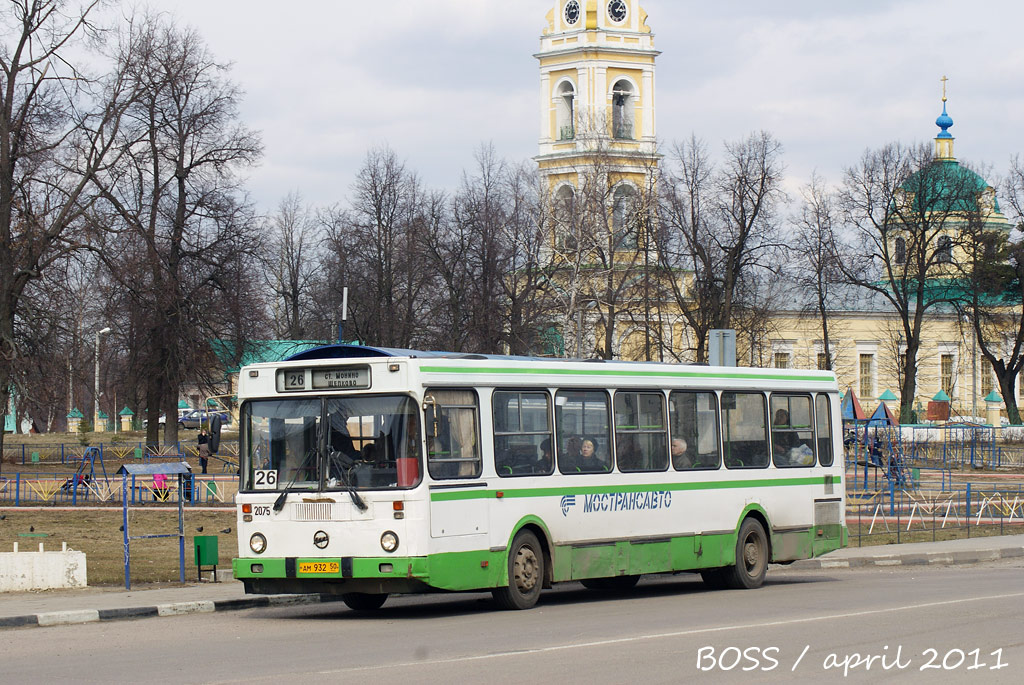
597, 90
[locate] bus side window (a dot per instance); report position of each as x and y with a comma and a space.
823, 416
641, 432
792, 430
694, 422
522, 433
453, 434
583, 431
744, 429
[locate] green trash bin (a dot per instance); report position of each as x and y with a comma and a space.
915, 477
207, 555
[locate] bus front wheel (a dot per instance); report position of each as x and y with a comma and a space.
364, 601
751, 557
525, 573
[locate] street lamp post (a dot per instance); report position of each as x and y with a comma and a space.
96, 387
974, 376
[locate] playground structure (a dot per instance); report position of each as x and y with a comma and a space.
906, 472
85, 475
881, 452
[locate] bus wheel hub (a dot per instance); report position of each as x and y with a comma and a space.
526, 569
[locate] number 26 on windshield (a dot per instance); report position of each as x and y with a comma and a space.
265, 479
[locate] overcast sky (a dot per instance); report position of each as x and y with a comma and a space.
434, 79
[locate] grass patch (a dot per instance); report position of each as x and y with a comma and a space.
98, 534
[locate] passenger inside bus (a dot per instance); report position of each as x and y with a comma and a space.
569, 460
544, 461
590, 460
783, 438
680, 459
628, 453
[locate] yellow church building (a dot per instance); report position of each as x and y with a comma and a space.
598, 147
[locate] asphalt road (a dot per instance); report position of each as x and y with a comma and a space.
940, 624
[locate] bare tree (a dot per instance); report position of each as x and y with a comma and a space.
718, 227
905, 211
526, 312
993, 278
374, 251
174, 225
817, 272
56, 129
488, 256
600, 221
291, 267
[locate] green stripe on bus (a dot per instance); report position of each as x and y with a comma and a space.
628, 373
452, 496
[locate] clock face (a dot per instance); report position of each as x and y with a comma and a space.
617, 10
572, 12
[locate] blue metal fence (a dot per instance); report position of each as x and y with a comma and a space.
70, 453
73, 489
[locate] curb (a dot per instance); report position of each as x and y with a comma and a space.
61, 618
58, 618
918, 559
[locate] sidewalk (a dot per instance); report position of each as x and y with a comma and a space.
61, 607
962, 551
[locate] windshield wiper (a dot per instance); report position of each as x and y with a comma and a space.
279, 502
345, 464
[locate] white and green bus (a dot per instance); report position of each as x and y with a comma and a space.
367, 471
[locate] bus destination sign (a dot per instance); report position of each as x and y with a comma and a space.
347, 378
341, 379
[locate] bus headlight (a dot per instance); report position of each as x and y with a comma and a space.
258, 543
389, 541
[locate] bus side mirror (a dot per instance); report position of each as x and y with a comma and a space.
430, 414
214, 441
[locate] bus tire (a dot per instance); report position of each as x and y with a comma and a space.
616, 584
364, 601
751, 557
525, 573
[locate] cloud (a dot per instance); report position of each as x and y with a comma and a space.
325, 81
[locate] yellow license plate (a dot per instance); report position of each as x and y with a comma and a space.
319, 567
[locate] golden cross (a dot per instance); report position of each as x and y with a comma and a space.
943, 79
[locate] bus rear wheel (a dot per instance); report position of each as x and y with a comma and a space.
364, 601
525, 573
751, 557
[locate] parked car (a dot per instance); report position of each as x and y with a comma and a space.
163, 417
200, 417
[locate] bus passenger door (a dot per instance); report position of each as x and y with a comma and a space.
458, 504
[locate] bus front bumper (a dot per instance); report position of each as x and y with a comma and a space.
331, 575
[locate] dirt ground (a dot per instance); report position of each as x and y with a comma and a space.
98, 534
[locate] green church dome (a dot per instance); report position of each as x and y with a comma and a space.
944, 185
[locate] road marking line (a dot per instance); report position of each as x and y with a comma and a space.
659, 636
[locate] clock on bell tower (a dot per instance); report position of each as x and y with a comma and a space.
597, 93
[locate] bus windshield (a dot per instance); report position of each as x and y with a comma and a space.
330, 443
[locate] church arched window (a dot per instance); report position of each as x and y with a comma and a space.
623, 106
944, 250
624, 216
565, 217
565, 111
901, 251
